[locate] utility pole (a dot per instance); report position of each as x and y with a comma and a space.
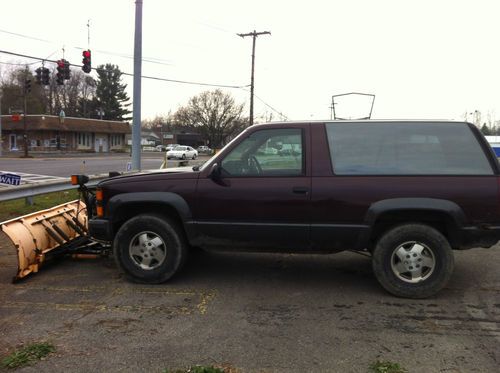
136, 117
254, 35
1, 142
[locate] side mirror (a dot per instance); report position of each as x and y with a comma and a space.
215, 172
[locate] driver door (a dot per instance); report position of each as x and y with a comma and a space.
262, 197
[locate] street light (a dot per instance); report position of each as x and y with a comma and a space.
101, 113
62, 115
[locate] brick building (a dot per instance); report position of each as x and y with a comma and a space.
52, 133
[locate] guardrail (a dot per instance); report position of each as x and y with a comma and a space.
37, 188
34, 189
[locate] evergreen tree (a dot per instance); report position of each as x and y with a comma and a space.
110, 95
486, 130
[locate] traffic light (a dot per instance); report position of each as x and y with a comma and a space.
87, 63
60, 72
45, 76
67, 73
27, 86
38, 76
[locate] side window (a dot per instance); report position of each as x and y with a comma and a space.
273, 152
405, 149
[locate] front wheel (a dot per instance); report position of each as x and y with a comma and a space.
149, 249
194, 156
413, 261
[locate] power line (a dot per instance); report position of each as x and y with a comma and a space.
283, 116
25, 36
154, 60
142, 76
242, 87
17, 64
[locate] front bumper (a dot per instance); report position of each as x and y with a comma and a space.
100, 229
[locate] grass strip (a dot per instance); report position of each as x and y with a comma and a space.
18, 207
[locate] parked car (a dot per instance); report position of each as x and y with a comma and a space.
161, 148
405, 194
182, 152
203, 149
171, 147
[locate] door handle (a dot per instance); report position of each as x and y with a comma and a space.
300, 190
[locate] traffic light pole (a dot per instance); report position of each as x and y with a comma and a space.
136, 118
254, 34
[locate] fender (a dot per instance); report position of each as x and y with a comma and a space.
421, 204
158, 198
446, 207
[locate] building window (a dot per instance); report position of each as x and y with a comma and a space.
84, 139
116, 140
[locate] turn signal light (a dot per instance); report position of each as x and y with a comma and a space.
79, 179
100, 211
98, 195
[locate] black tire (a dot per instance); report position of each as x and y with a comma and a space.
435, 262
194, 156
184, 156
163, 249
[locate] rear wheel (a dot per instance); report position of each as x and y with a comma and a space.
149, 249
413, 261
183, 156
194, 156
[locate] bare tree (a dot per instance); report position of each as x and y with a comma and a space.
215, 114
12, 86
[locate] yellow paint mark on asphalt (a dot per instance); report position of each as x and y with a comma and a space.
173, 310
205, 297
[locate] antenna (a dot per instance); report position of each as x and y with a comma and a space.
88, 34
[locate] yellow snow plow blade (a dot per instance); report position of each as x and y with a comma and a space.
41, 234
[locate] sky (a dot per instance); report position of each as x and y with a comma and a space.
425, 59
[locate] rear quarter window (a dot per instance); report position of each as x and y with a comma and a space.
364, 148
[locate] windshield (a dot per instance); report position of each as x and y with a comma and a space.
180, 148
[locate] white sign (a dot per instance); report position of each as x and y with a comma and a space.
10, 179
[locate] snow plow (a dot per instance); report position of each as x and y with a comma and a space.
54, 232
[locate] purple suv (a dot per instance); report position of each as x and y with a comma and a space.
405, 192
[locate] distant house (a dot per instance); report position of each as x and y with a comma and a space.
154, 137
181, 137
51, 133
148, 139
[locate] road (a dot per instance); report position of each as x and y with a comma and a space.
254, 312
92, 164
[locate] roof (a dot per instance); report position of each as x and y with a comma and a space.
405, 121
53, 123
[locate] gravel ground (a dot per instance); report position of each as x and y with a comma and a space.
253, 312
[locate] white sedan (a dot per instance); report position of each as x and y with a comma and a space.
182, 152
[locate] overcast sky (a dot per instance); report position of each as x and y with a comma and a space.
422, 59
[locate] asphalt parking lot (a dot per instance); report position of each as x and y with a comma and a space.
253, 312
